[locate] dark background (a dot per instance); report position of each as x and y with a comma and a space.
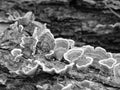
75, 19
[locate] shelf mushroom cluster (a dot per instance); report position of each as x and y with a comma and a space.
33, 44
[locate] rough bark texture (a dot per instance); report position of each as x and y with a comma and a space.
74, 19
88, 23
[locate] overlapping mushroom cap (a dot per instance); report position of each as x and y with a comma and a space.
31, 44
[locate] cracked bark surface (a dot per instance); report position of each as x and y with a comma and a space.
74, 19
88, 23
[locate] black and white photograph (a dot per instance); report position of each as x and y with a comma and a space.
59, 44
